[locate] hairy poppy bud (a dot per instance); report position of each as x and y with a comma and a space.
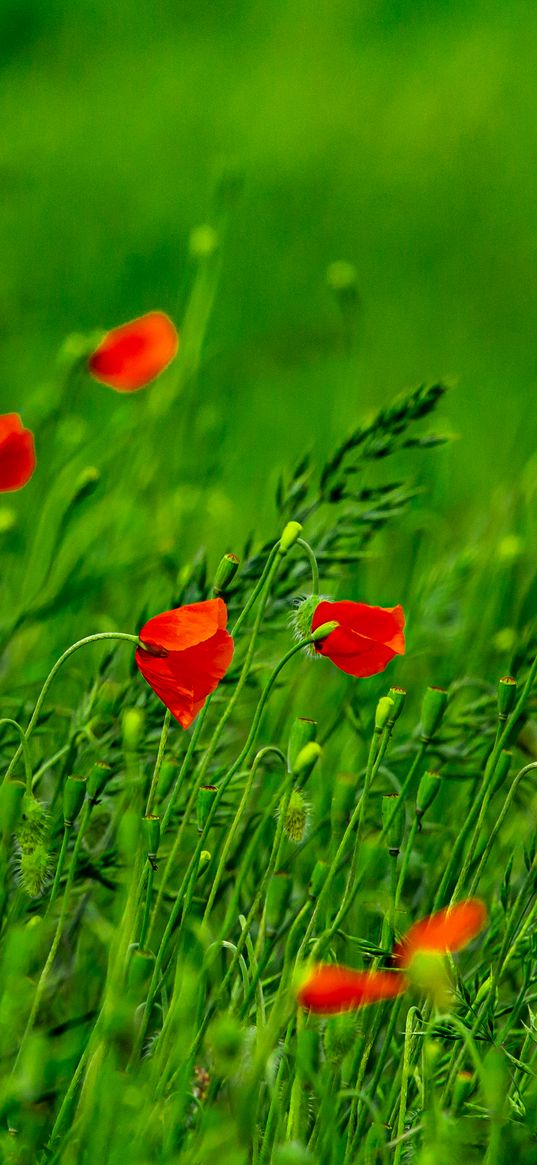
432, 712
206, 797
74, 794
291, 532
506, 696
295, 816
225, 573
302, 732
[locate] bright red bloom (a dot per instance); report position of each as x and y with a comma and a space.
367, 637
184, 655
330, 988
131, 356
17, 453
449, 929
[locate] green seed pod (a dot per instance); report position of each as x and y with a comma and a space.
34, 869
306, 760
140, 969
296, 816
73, 799
398, 695
303, 731
394, 832
33, 824
502, 769
152, 836
98, 778
225, 573
291, 532
428, 789
507, 687
205, 801
132, 726
11, 798
318, 878
277, 901
383, 713
432, 712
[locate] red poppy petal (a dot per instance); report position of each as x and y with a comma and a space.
381, 624
186, 626
369, 661
206, 664
449, 929
17, 453
130, 356
178, 697
331, 988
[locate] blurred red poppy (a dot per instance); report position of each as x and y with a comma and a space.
130, 356
330, 988
449, 929
184, 654
367, 637
17, 453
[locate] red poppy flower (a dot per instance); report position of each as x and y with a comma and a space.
17, 453
367, 637
184, 654
131, 356
330, 988
449, 929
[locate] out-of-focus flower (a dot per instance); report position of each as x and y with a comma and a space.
366, 639
131, 356
449, 929
17, 453
184, 654
330, 988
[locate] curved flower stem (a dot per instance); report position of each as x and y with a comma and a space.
171, 924
99, 637
313, 563
25, 751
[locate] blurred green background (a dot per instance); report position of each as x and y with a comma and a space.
396, 135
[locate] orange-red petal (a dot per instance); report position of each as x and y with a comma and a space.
132, 355
367, 637
17, 453
449, 929
330, 988
186, 626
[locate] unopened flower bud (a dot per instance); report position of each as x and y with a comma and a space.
318, 878
291, 532
398, 696
205, 801
152, 836
306, 760
428, 789
98, 778
392, 823
225, 573
383, 713
432, 712
74, 794
506, 696
303, 731
296, 815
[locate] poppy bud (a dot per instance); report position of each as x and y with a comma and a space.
203, 242
11, 795
74, 794
383, 713
428, 789
291, 532
132, 726
502, 769
225, 573
277, 901
318, 878
302, 732
506, 696
398, 696
98, 778
152, 836
205, 858
205, 800
296, 815
393, 831
306, 760
432, 712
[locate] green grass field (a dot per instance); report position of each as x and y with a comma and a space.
336, 206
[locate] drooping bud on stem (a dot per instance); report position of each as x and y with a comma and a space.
432, 712
291, 532
225, 573
303, 731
